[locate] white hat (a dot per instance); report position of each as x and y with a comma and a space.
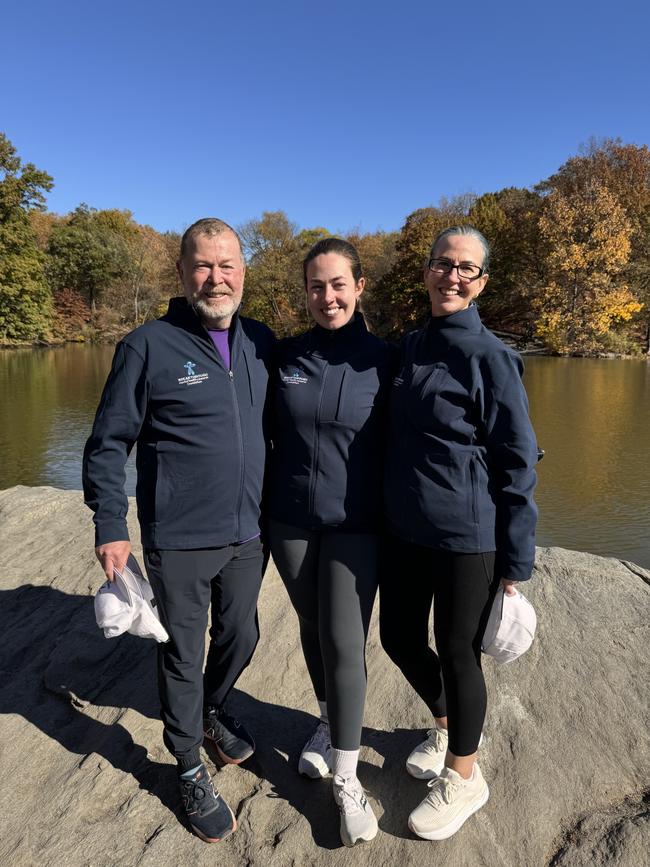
510, 628
127, 604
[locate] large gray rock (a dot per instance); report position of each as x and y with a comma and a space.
86, 780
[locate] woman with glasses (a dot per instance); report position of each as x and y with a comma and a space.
324, 505
459, 484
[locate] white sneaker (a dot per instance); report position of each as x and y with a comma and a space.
358, 822
316, 756
428, 758
450, 802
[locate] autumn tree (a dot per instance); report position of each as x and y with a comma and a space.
400, 301
25, 300
509, 221
377, 253
148, 277
638, 273
624, 171
42, 223
274, 251
587, 235
71, 317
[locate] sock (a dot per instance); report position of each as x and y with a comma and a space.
191, 772
344, 762
322, 706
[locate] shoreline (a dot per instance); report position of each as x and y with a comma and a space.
525, 351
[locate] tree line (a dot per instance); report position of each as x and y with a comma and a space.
570, 265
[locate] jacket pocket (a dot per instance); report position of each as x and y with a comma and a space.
178, 481
426, 399
444, 493
257, 376
435, 403
356, 398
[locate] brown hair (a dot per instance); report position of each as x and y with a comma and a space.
335, 245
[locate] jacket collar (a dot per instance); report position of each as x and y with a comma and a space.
465, 320
338, 340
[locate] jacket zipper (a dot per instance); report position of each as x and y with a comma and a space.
314, 471
240, 441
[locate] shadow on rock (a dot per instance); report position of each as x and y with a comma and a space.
389, 783
56, 664
281, 734
59, 673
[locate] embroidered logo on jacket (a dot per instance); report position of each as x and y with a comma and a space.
191, 378
295, 377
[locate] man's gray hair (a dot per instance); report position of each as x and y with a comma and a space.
207, 226
465, 230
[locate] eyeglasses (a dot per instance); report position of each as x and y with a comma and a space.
466, 270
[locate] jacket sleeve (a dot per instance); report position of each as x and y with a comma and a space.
118, 422
512, 456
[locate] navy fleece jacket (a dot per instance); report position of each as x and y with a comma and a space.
329, 424
198, 428
461, 462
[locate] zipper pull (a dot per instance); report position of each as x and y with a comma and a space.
230, 375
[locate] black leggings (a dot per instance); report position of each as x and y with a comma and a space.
461, 587
331, 578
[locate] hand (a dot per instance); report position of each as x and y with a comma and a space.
509, 586
113, 555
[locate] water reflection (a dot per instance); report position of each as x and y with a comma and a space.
48, 400
592, 417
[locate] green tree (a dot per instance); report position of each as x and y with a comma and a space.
25, 300
89, 252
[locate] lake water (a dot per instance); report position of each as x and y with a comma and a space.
592, 416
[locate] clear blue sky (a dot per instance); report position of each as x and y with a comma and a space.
343, 114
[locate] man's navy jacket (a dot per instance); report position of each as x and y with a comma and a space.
198, 429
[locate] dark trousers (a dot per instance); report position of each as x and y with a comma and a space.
187, 585
461, 588
331, 578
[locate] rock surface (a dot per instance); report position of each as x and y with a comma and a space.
86, 779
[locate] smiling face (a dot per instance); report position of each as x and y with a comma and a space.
212, 272
332, 292
448, 292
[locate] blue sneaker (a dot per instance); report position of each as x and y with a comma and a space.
228, 736
210, 817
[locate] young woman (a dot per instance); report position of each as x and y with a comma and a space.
324, 505
459, 487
